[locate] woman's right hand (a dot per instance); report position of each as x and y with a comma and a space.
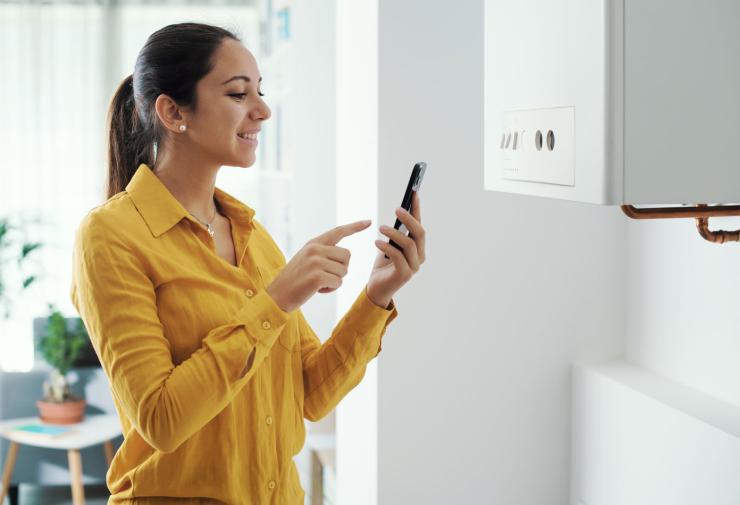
317, 266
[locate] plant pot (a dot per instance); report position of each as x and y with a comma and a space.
68, 412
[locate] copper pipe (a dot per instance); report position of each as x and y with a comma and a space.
717, 236
702, 212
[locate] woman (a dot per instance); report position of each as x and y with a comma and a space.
190, 304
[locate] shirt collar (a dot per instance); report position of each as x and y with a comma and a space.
161, 210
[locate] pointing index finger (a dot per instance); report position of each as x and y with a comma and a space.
336, 234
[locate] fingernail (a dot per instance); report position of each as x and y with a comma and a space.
366, 221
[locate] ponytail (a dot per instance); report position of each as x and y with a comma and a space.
128, 142
172, 61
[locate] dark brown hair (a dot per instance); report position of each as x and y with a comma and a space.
172, 61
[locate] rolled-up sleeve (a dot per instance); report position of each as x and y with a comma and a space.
334, 368
116, 299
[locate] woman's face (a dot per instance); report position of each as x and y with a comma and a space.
229, 104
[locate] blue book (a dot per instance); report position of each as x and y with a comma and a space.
42, 431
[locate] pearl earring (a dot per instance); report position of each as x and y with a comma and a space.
182, 127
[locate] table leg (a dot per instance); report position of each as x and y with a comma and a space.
108, 447
75, 469
13, 494
317, 480
8, 471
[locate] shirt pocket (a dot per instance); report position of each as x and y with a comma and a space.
288, 337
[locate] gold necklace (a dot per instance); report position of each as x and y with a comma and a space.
208, 226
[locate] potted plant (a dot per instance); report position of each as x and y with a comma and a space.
60, 347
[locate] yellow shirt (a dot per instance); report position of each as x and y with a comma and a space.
173, 324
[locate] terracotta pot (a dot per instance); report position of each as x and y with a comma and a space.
69, 412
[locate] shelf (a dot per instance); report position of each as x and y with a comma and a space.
643, 439
717, 413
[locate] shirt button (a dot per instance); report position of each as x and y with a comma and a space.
266, 325
271, 484
268, 420
250, 293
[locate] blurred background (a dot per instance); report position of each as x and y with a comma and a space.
62, 61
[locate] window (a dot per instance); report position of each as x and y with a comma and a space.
62, 61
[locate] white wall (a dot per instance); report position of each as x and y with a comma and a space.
474, 377
357, 191
476, 398
683, 311
664, 427
314, 108
312, 112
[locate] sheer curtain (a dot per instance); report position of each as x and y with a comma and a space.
61, 62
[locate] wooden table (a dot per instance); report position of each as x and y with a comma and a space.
93, 430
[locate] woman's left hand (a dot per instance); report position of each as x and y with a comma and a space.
389, 274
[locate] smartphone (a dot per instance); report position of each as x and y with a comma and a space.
417, 175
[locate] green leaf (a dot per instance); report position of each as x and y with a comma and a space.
61, 347
29, 247
10, 255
